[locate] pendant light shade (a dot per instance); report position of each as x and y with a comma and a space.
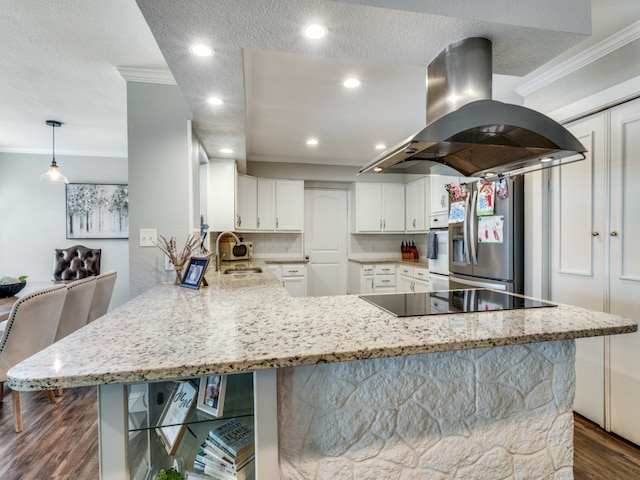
53, 175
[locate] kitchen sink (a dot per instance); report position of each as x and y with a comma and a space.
242, 270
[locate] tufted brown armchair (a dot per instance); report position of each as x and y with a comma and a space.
75, 262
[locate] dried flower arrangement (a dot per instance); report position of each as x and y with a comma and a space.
170, 249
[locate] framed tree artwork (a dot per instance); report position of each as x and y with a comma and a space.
97, 211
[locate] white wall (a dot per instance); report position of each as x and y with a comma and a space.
161, 183
33, 216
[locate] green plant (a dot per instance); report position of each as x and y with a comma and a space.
170, 474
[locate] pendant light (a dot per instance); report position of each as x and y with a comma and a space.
53, 175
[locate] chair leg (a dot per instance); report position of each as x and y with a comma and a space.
52, 397
1, 391
59, 391
17, 411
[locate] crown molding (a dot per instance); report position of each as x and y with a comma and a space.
582, 59
146, 75
70, 153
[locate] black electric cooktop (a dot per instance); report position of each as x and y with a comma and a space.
450, 301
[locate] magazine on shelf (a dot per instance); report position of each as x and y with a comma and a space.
212, 456
212, 472
234, 438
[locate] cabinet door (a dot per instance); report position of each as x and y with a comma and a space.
405, 284
367, 208
221, 195
296, 286
439, 195
578, 249
247, 212
289, 205
392, 208
415, 206
366, 284
422, 286
623, 236
266, 204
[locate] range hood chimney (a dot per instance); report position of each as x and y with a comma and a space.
468, 133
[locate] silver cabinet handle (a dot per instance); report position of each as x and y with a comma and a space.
239, 221
414, 223
614, 234
384, 224
276, 223
380, 224
595, 234
258, 222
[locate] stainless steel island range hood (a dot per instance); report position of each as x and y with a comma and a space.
472, 134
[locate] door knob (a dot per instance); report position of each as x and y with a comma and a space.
614, 234
595, 234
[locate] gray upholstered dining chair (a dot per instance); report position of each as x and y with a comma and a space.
76, 306
102, 296
31, 327
74, 263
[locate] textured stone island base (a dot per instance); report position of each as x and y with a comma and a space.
492, 413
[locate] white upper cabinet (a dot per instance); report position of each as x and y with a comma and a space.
247, 211
377, 207
417, 205
280, 205
439, 194
222, 195
266, 204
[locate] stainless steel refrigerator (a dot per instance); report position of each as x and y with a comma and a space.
481, 255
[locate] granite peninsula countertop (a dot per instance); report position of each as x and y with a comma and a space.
249, 322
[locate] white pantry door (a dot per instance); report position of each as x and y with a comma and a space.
624, 264
579, 235
325, 233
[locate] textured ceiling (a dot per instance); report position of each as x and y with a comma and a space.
59, 62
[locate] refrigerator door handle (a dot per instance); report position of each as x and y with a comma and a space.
465, 231
472, 227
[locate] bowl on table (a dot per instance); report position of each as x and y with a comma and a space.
10, 289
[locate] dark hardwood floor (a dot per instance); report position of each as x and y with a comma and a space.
57, 442
61, 442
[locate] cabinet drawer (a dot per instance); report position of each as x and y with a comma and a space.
421, 273
385, 269
405, 271
385, 280
293, 270
367, 269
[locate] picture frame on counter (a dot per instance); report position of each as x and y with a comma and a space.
173, 421
211, 394
194, 276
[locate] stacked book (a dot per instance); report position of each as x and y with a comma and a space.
228, 452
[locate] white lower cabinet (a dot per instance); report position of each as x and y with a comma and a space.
413, 279
360, 278
293, 277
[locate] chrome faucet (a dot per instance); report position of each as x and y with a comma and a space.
218, 246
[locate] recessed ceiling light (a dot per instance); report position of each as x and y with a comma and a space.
351, 83
315, 31
226, 150
215, 101
201, 50
546, 159
312, 141
377, 169
381, 146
